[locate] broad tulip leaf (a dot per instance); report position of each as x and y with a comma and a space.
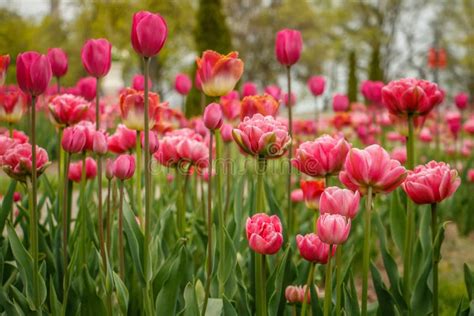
7, 204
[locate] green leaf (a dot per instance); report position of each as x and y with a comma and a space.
121, 292
54, 303
278, 281
422, 297
224, 271
469, 281
191, 307
214, 307
397, 220
438, 242
134, 241
425, 237
385, 299
7, 205
229, 309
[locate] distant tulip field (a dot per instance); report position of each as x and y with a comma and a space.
247, 209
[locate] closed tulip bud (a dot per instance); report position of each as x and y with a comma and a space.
289, 101
149, 33
454, 120
213, 117
87, 88
75, 170
431, 183
333, 229
316, 85
340, 103
152, 141
99, 145
344, 202
470, 175
249, 88
288, 47
16, 197
297, 196
109, 169
226, 132
74, 139
138, 83
372, 91
96, 57
264, 233
124, 167
312, 248
461, 100
58, 60
274, 91
182, 84
4, 62
33, 72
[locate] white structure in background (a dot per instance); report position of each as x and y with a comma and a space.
113, 82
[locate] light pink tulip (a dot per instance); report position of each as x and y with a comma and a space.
226, 133
152, 140
99, 145
344, 202
312, 248
213, 117
295, 294
74, 139
400, 154
109, 169
264, 233
333, 229
297, 196
124, 167
16, 161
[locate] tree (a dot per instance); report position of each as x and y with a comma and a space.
352, 83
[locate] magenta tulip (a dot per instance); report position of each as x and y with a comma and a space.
4, 62
264, 233
340, 103
213, 117
74, 139
182, 84
124, 167
138, 83
58, 60
75, 170
461, 100
149, 33
249, 88
96, 57
312, 248
288, 47
333, 229
316, 85
87, 88
33, 72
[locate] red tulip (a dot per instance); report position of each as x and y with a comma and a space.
470, 175
312, 190
16, 197
75, 170
333, 229
74, 139
263, 104
58, 60
16, 161
316, 85
372, 91
124, 167
218, 73
431, 183
344, 202
149, 33
182, 84
33, 72
4, 62
340, 103
123, 140
249, 88
313, 249
87, 88
461, 100
288, 47
67, 109
138, 83
213, 117
12, 106
264, 233
96, 57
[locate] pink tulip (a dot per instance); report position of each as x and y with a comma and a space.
372, 91
33, 72
16, 197
313, 249
58, 60
340, 103
122, 140
75, 170
316, 85
87, 88
249, 88
152, 140
96, 57
295, 294
218, 73
431, 183
425, 135
149, 33
12, 106
288, 47
213, 117
5, 143
264, 104
19, 137
66, 109
138, 83
109, 169
264, 233
461, 100
16, 161
287, 100
400, 154
124, 167
74, 139
344, 202
99, 145
4, 62
333, 229
297, 196
182, 84
411, 97
167, 154
132, 109
312, 191
324, 156
262, 136
89, 131
226, 133
372, 167
230, 105
470, 175
274, 91
469, 126
454, 120
193, 152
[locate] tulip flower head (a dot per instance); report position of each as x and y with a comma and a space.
274, 91
262, 136
295, 294
297, 196
312, 191
16, 161
182, 84
316, 85
4, 62
333, 229
149, 33
218, 73
152, 140
33, 72
344, 202
264, 233
138, 83
372, 167
372, 91
67, 109
58, 60
249, 88
124, 167
74, 139
123, 140
99, 145
213, 117
470, 175
461, 100
226, 133
75, 170
12, 106
340, 103
109, 169
96, 57
431, 183
264, 104
288, 47
313, 249
230, 105
132, 108
87, 88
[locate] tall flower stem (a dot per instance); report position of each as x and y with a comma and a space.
58, 82
338, 279
120, 234
100, 221
260, 194
138, 183
82, 211
228, 179
146, 256
309, 284
434, 228
220, 206
261, 285
67, 161
209, 230
366, 250
410, 219
33, 210
328, 284
10, 129
108, 227
290, 150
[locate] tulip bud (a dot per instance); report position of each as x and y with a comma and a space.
96, 57
87, 88
297, 196
75, 170
333, 229
16, 197
4, 62
33, 72
226, 132
461, 100
182, 84
99, 145
74, 139
58, 60
288, 46
124, 167
138, 83
152, 141
316, 85
212, 116
340, 103
249, 88
109, 169
149, 33
312, 248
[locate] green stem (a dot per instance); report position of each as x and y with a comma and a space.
434, 229
120, 234
209, 230
338, 279
83, 210
65, 223
138, 183
328, 284
410, 219
10, 129
220, 209
260, 194
261, 302
108, 234
290, 151
366, 250
309, 284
